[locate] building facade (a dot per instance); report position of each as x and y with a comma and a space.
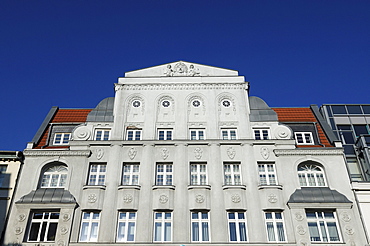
183, 155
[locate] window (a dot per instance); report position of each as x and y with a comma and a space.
322, 226
232, 174
275, 227
303, 138
199, 227
165, 134
261, 134
198, 174
89, 227
43, 227
164, 174
102, 134
197, 134
54, 177
228, 134
311, 175
61, 138
130, 174
2, 174
126, 226
237, 226
267, 174
162, 226
133, 135
97, 174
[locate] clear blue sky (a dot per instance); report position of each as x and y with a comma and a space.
69, 53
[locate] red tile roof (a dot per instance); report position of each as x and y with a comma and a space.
302, 115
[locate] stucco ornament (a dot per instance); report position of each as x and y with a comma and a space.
132, 153
63, 230
272, 198
282, 132
349, 230
298, 216
92, 198
163, 198
21, 217
231, 152
345, 217
99, 153
303, 243
301, 230
235, 198
66, 217
198, 153
265, 152
18, 230
165, 153
61, 243
180, 69
128, 198
199, 198
81, 133
351, 242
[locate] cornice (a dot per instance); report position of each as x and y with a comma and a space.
182, 86
280, 152
56, 152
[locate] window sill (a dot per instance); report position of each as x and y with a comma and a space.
97, 187
227, 187
206, 187
161, 187
261, 187
125, 187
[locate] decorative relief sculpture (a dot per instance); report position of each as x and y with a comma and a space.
301, 230
21, 217
345, 217
303, 243
199, 198
163, 198
198, 153
61, 243
235, 198
165, 153
128, 198
349, 230
132, 153
92, 198
18, 230
81, 133
265, 152
272, 198
298, 216
66, 217
99, 153
180, 69
63, 230
231, 152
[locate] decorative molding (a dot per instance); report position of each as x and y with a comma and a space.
99, 153
92, 198
61, 243
21, 217
56, 152
272, 198
66, 217
165, 153
235, 198
63, 230
324, 151
132, 153
82, 133
128, 198
163, 198
301, 230
198, 153
265, 152
180, 69
345, 217
18, 230
182, 86
231, 152
298, 216
349, 230
199, 198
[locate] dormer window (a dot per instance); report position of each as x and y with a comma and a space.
261, 134
62, 138
133, 134
303, 138
102, 134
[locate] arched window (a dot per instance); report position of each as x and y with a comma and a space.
311, 174
54, 177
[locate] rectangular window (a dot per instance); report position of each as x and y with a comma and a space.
162, 226
61, 138
43, 227
89, 227
261, 134
275, 227
267, 174
232, 174
164, 174
197, 134
126, 226
102, 134
200, 227
133, 134
130, 174
2, 174
198, 174
228, 134
322, 226
303, 138
237, 226
97, 174
165, 134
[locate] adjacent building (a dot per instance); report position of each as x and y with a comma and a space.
182, 155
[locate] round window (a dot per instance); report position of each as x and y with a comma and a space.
226, 103
166, 104
136, 103
196, 103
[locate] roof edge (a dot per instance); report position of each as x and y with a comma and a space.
325, 126
44, 124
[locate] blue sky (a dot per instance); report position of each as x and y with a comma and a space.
70, 53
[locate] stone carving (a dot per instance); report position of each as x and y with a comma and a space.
345, 217
282, 132
99, 153
180, 69
128, 198
57, 153
92, 198
163, 198
63, 230
231, 152
193, 71
198, 153
168, 71
351, 242
18, 230
235, 198
66, 217
303, 243
165, 153
281, 152
199, 198
21, 217
183, 86
349, 230
298, 216
301, 230
81, 133
61, 243
132, 153
272, 198
265, 152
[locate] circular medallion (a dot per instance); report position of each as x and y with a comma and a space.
196, 103
226, 103
136, 103
166, 104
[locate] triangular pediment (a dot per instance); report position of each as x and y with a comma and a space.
182, 69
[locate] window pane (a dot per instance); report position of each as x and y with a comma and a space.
232, 230
34, 231
339, 109
354, 109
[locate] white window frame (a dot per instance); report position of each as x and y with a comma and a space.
164, 174
199, 134
99, 173
200, 222
229, 134
126, 226
261, 133
239, 223
54, 177
162, 221
134, 132
267, 174
312, 175
130, 174
104, 134
93, 219
64, 138
273, 234
44, 222
198, 174
232, 173
320, 222
2, 174
167, 134
305, 140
